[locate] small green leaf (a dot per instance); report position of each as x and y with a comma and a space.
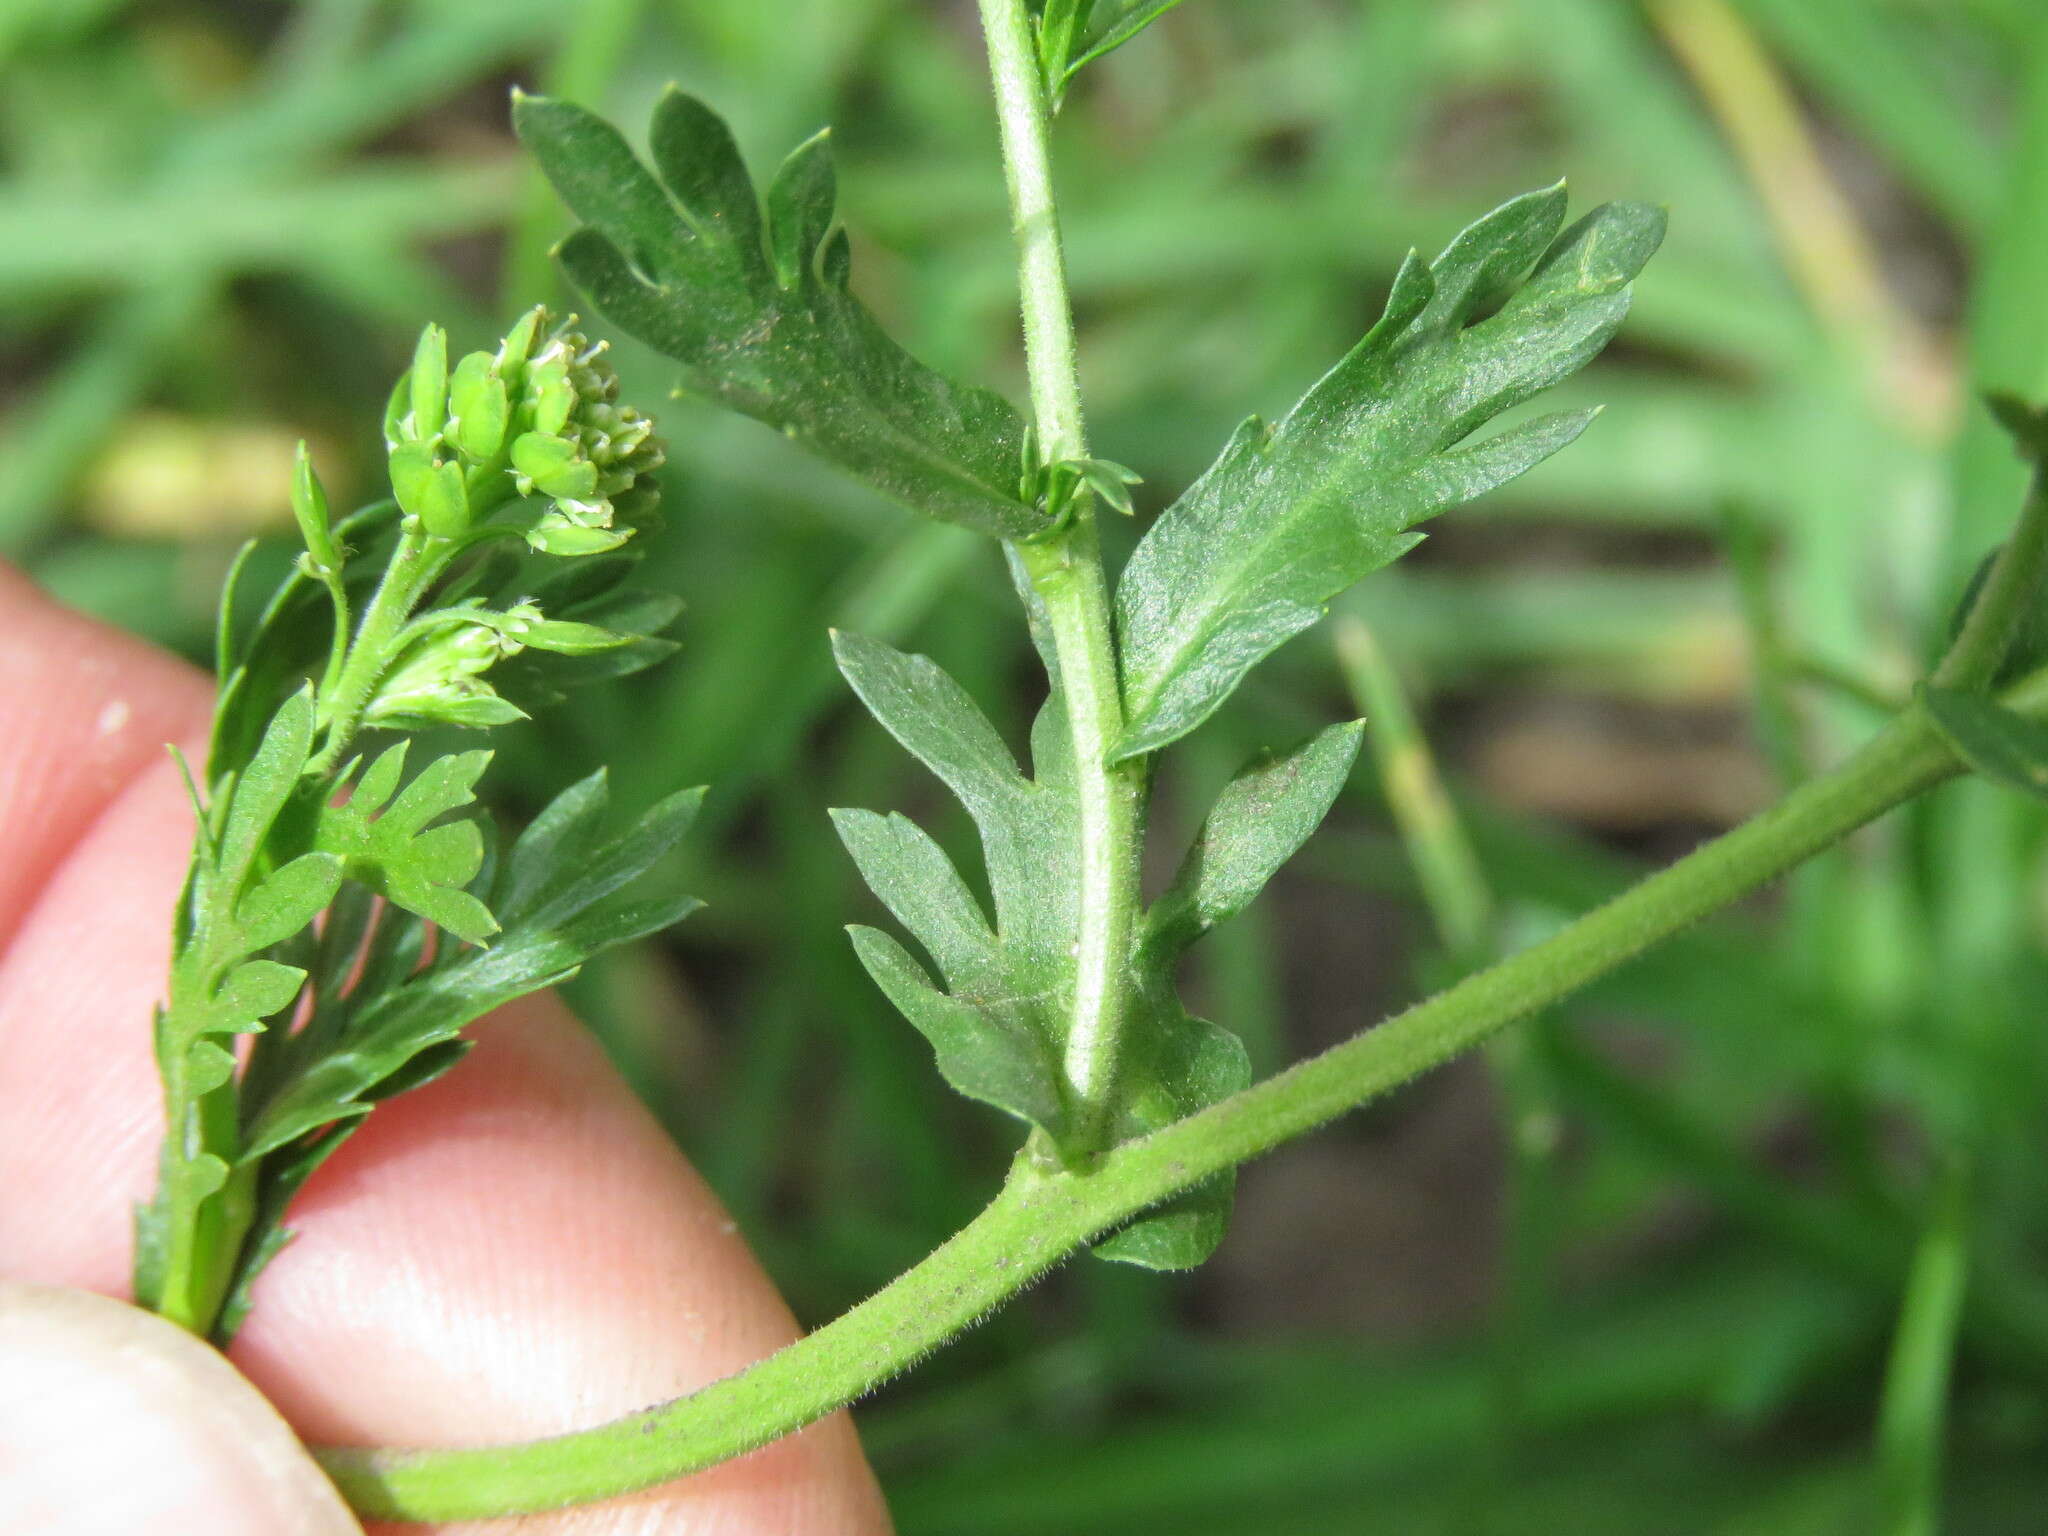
285, 901
559, 838
401, 855
563, 896
1181, 1066
1288, 517
998, 1060
1009, 989
264, 785
1258, 823
2004, 746
252, 992
678, 264
1114, 23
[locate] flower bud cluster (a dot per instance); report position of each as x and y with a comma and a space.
538, 420
438, 678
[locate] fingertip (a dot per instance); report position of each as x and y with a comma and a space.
115, 1420
84, 709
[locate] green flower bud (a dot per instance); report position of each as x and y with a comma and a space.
438, 680
539, 417
518, 343
553, 396
430, 384
309, 506
565, 637
430, 490
557, 535
480, 407
553, 465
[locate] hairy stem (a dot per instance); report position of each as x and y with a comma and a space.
1041, 1217
1065, 572
415, 564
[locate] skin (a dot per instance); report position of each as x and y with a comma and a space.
513, 1251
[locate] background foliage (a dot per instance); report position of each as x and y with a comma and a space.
1637, 1269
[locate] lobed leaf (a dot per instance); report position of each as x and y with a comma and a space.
998, 1057
400, 853
1288, 517
998, 1027
753, 303
563, 898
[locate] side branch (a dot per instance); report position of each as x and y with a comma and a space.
1040, 1218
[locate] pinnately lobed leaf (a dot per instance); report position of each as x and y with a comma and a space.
996, 1016
564, 894
753, 303
1290, 516
390, 846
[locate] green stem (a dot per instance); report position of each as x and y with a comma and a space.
204, 1222
1997, 615
1065, 572
415, 564
1039, 1218
1023, 117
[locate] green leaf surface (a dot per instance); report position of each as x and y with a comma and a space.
755, 307
2005, 747
1113, 24
396, 848
263, 786
999, 1029
991, 1054
1182, 1064
252, 992
399, 1024
1290, 516
1258, 823
286, 900
997, 1015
